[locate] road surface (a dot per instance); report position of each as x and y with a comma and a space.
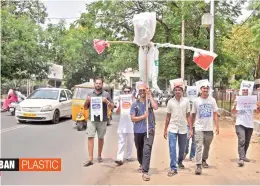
45, 140
62, 141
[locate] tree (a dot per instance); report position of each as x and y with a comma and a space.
21, 56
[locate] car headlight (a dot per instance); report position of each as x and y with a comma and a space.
18, 108
46, 108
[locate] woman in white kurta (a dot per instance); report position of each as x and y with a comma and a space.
125, 127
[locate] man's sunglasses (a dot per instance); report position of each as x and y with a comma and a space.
127, 91
141, 90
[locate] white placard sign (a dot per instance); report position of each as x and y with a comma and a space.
96, 106
125, 103
246, 102
192, 92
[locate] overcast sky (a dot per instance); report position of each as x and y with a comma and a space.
72, 9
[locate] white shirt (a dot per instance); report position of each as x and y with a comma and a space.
178, 111
125, 123
245, 118
204, 110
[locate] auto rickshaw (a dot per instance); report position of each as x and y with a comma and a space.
79, 114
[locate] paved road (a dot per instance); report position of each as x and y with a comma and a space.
46, 140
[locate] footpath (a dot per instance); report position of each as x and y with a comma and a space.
222, 161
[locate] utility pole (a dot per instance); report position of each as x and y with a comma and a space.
211, 42
182, 43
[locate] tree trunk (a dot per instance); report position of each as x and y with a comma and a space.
257, 70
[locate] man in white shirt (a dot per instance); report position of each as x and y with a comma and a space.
244, 128
125, 128
204, 109
178, 115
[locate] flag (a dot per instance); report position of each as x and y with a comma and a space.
204, 58
100, 45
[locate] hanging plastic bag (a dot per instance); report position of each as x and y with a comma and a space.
155, 71
144, 27
141, 62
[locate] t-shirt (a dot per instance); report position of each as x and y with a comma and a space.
138, 109
178, 111
105, 112
204, 109
245, 118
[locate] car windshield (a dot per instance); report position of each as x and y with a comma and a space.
82, 93
44, 94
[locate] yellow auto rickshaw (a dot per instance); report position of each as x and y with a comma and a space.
79, 97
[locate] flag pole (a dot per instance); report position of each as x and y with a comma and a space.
146, 97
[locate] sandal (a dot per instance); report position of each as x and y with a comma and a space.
172, 173
88, 163
146, 177
140, 169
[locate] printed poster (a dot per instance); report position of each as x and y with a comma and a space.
96, 105
246, 102
125, 103
192, 93
205, 110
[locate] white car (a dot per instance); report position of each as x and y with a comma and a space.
45, 104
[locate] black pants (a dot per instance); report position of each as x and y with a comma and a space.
144, 148
244, 136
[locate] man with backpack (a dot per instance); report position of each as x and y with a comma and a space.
139, 115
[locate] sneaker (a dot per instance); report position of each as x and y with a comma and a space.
198, 170
181, 166
240, 163
204, 164
246, 160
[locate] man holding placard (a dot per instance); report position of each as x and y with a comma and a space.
204, 110
98, 102
125, 127
139, 115
177, 118
244, 107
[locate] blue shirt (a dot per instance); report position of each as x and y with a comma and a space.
138, 109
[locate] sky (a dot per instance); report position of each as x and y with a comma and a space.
72, 9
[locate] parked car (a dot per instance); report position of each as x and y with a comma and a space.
45, 104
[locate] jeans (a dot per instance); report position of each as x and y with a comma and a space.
182, 138
203, 141
144, 148
244, 136
193, 145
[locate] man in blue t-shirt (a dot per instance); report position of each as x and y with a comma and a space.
138, 116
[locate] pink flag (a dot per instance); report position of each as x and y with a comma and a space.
100, 45
204, 58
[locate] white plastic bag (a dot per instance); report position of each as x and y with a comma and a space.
177, 82
141, 63
155, 71
247, 84
144, 27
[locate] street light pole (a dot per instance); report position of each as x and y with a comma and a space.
211, 42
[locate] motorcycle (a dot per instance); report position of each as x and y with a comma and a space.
80, 120
12, 107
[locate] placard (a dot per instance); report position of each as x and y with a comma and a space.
125, 103
192, 93
96, 106
246, 102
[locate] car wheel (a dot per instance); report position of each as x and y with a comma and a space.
13, 113
56, 117
21, 121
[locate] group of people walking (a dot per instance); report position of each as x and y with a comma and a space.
183, 123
